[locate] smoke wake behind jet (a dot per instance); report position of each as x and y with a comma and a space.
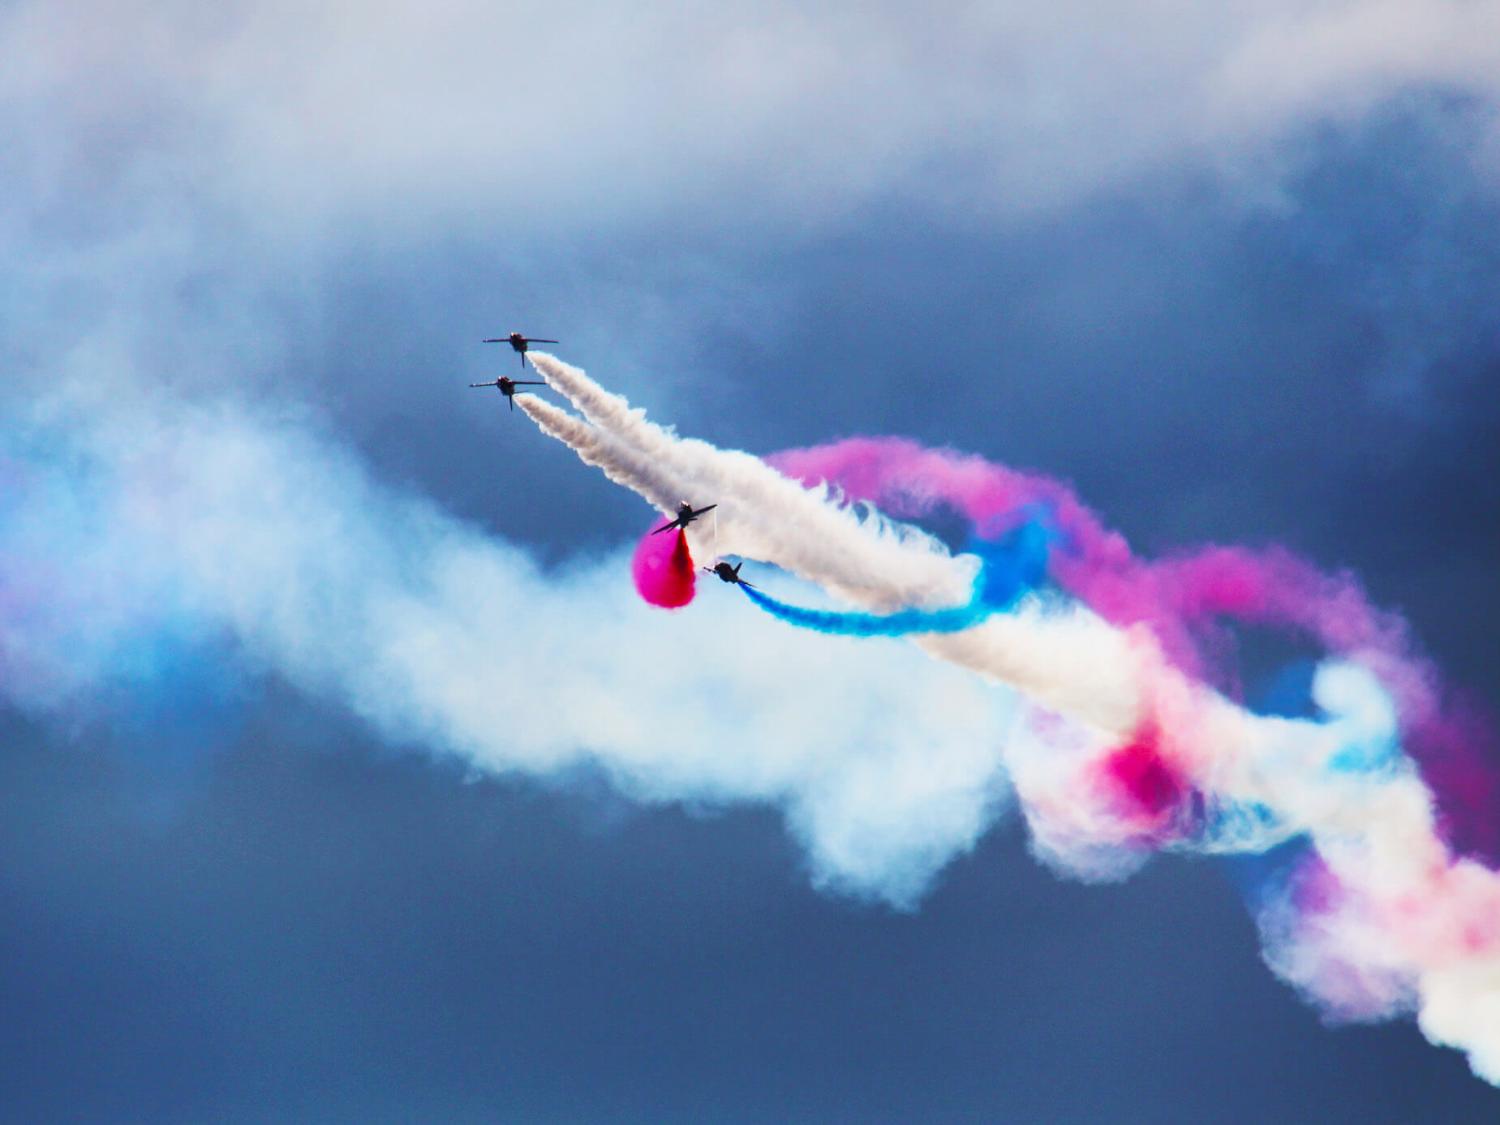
1385, 900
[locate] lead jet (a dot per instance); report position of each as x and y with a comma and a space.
520, 343
507, 387
685, 516
727, 573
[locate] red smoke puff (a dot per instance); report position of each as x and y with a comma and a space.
663, 570
1147, 789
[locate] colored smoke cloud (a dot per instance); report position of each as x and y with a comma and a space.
1188, 598
1135, 748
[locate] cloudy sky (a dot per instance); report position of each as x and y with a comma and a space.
1231, 269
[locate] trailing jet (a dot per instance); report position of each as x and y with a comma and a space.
520, 343
508, 387
727, 573
685, 516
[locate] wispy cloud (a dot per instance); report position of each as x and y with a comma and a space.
563, 114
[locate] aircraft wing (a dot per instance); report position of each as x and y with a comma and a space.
700, 511
666, 527
539, 340
496, 383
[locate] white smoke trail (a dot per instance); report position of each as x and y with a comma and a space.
1413, 927
762, 513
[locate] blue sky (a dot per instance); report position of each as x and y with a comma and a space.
1228, 270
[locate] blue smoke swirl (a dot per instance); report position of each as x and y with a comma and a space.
1010, 568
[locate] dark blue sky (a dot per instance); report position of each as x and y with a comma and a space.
229, 899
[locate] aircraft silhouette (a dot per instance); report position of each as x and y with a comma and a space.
685, 516
519, 342
508, 387
727, 573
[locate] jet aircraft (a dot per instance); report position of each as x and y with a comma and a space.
727, 573
685, 516
520, 343
508, 387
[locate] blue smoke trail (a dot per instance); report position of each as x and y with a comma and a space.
1011, 567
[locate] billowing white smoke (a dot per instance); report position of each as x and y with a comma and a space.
886, 763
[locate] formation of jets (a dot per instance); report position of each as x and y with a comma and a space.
686, 513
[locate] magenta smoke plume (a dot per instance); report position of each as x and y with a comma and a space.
662, 567
1187, 599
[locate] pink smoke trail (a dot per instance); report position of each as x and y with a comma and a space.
663, 570
1185, 598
